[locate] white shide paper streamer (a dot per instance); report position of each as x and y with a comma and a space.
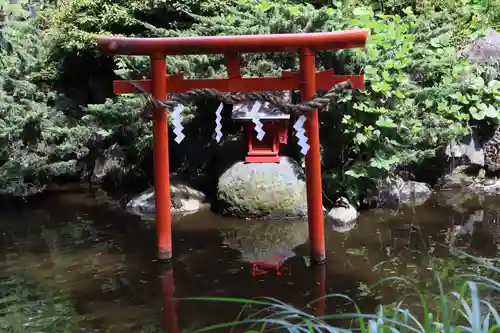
300, 134
176, 121
218, 124
256, 120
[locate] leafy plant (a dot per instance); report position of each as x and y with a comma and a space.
461, 308
409, 109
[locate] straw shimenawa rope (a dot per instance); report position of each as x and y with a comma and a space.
316, 103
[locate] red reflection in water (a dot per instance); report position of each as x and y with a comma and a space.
169, 302
319, 277
319, 290
274, 262
258, 268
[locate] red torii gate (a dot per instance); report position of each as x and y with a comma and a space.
307, 81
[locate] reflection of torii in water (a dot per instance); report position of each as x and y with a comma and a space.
170, 323
266, 245
170, 318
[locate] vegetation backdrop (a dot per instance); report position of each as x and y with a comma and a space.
58, 111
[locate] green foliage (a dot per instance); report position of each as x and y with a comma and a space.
70, 30
403, 115
419, 94
420, 91
482, 99
413, 67
73, 24
37, 142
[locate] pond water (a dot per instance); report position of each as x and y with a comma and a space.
77, 262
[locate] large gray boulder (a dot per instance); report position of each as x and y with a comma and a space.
486, 52
263, 190
492, 151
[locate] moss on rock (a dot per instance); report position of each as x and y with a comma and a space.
267, 190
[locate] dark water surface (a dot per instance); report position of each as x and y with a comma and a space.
94, 263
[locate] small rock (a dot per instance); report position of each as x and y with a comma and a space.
183, 200
461, 200
481, 175
392, 192
457, 178
342, 216
464, 177
491, 148
489, 181
492, 188
469, 146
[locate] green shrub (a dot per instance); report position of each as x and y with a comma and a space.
37, 142
420, 91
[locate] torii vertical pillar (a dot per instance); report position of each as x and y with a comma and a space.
161, 160
313, 160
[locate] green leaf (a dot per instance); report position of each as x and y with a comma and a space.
385, 122
455, 108
360, 138
355, 173
491, 112
380, 162
382, 87
294, 10
386, 76
398, 93
362, 11
264, 6
494, 85
477, 83
477, 114
370, 70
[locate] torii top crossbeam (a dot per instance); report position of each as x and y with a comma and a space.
316, 42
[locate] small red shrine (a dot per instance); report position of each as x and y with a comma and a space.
275, 126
